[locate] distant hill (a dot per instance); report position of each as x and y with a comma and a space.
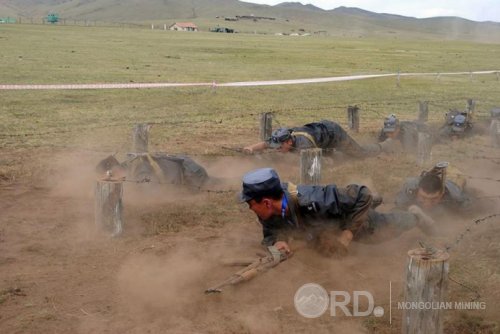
287, 17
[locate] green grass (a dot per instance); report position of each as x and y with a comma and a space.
200, 120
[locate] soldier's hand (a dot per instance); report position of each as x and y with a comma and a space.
283, 246
247, 150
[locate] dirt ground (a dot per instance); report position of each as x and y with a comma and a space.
60, 274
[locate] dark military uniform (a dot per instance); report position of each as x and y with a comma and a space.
454, 198
327, 135
166, 169
457, 124
408, 134
316, 208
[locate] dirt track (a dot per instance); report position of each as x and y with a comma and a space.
61, 275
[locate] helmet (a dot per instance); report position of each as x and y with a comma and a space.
279, 136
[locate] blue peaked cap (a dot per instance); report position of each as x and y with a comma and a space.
260, 183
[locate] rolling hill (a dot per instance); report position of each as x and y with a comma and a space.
287, 17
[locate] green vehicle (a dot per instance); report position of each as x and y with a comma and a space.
52, 18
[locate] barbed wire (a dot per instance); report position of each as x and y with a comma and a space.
192, 187
476, 292
459, 239
468, 230
371, 110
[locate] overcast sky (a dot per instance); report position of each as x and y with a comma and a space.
477, 10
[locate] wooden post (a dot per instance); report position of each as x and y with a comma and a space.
310, 166
425, 290
108, 206
495, 132
423, 111
424, 148
471, 105
266, 125
140, 136
353, 118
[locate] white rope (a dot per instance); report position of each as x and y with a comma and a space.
229, 84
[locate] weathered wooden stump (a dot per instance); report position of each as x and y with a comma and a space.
423, 111
140, 138
310, 166
495, 132
353, 118
471, 105
424, 148
108, 206
266, 126
425, 291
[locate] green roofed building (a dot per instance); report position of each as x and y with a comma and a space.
7, 20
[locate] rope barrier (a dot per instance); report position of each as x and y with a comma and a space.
228, 84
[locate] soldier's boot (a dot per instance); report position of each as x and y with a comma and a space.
376, 200
425, 223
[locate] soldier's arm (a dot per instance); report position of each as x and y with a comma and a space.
406, 195
255, 147
271, 235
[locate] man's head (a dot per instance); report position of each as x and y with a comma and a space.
430, 191
391, 126
459, 125
262, 191
281, 139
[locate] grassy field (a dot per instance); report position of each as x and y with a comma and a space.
101, 120
60, 54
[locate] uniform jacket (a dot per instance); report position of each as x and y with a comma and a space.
454, 197
408, 135
312, 208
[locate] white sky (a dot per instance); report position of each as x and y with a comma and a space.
477, 10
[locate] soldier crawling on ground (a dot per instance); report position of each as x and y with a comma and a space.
325, 134
327, 217
438, 191
458, 124
158, 168
404, 134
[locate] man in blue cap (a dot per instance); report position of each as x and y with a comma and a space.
327, 216
401, 133
457, 125
325, 134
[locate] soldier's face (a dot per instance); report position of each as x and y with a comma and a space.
263, 209
428, 201
286, 146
